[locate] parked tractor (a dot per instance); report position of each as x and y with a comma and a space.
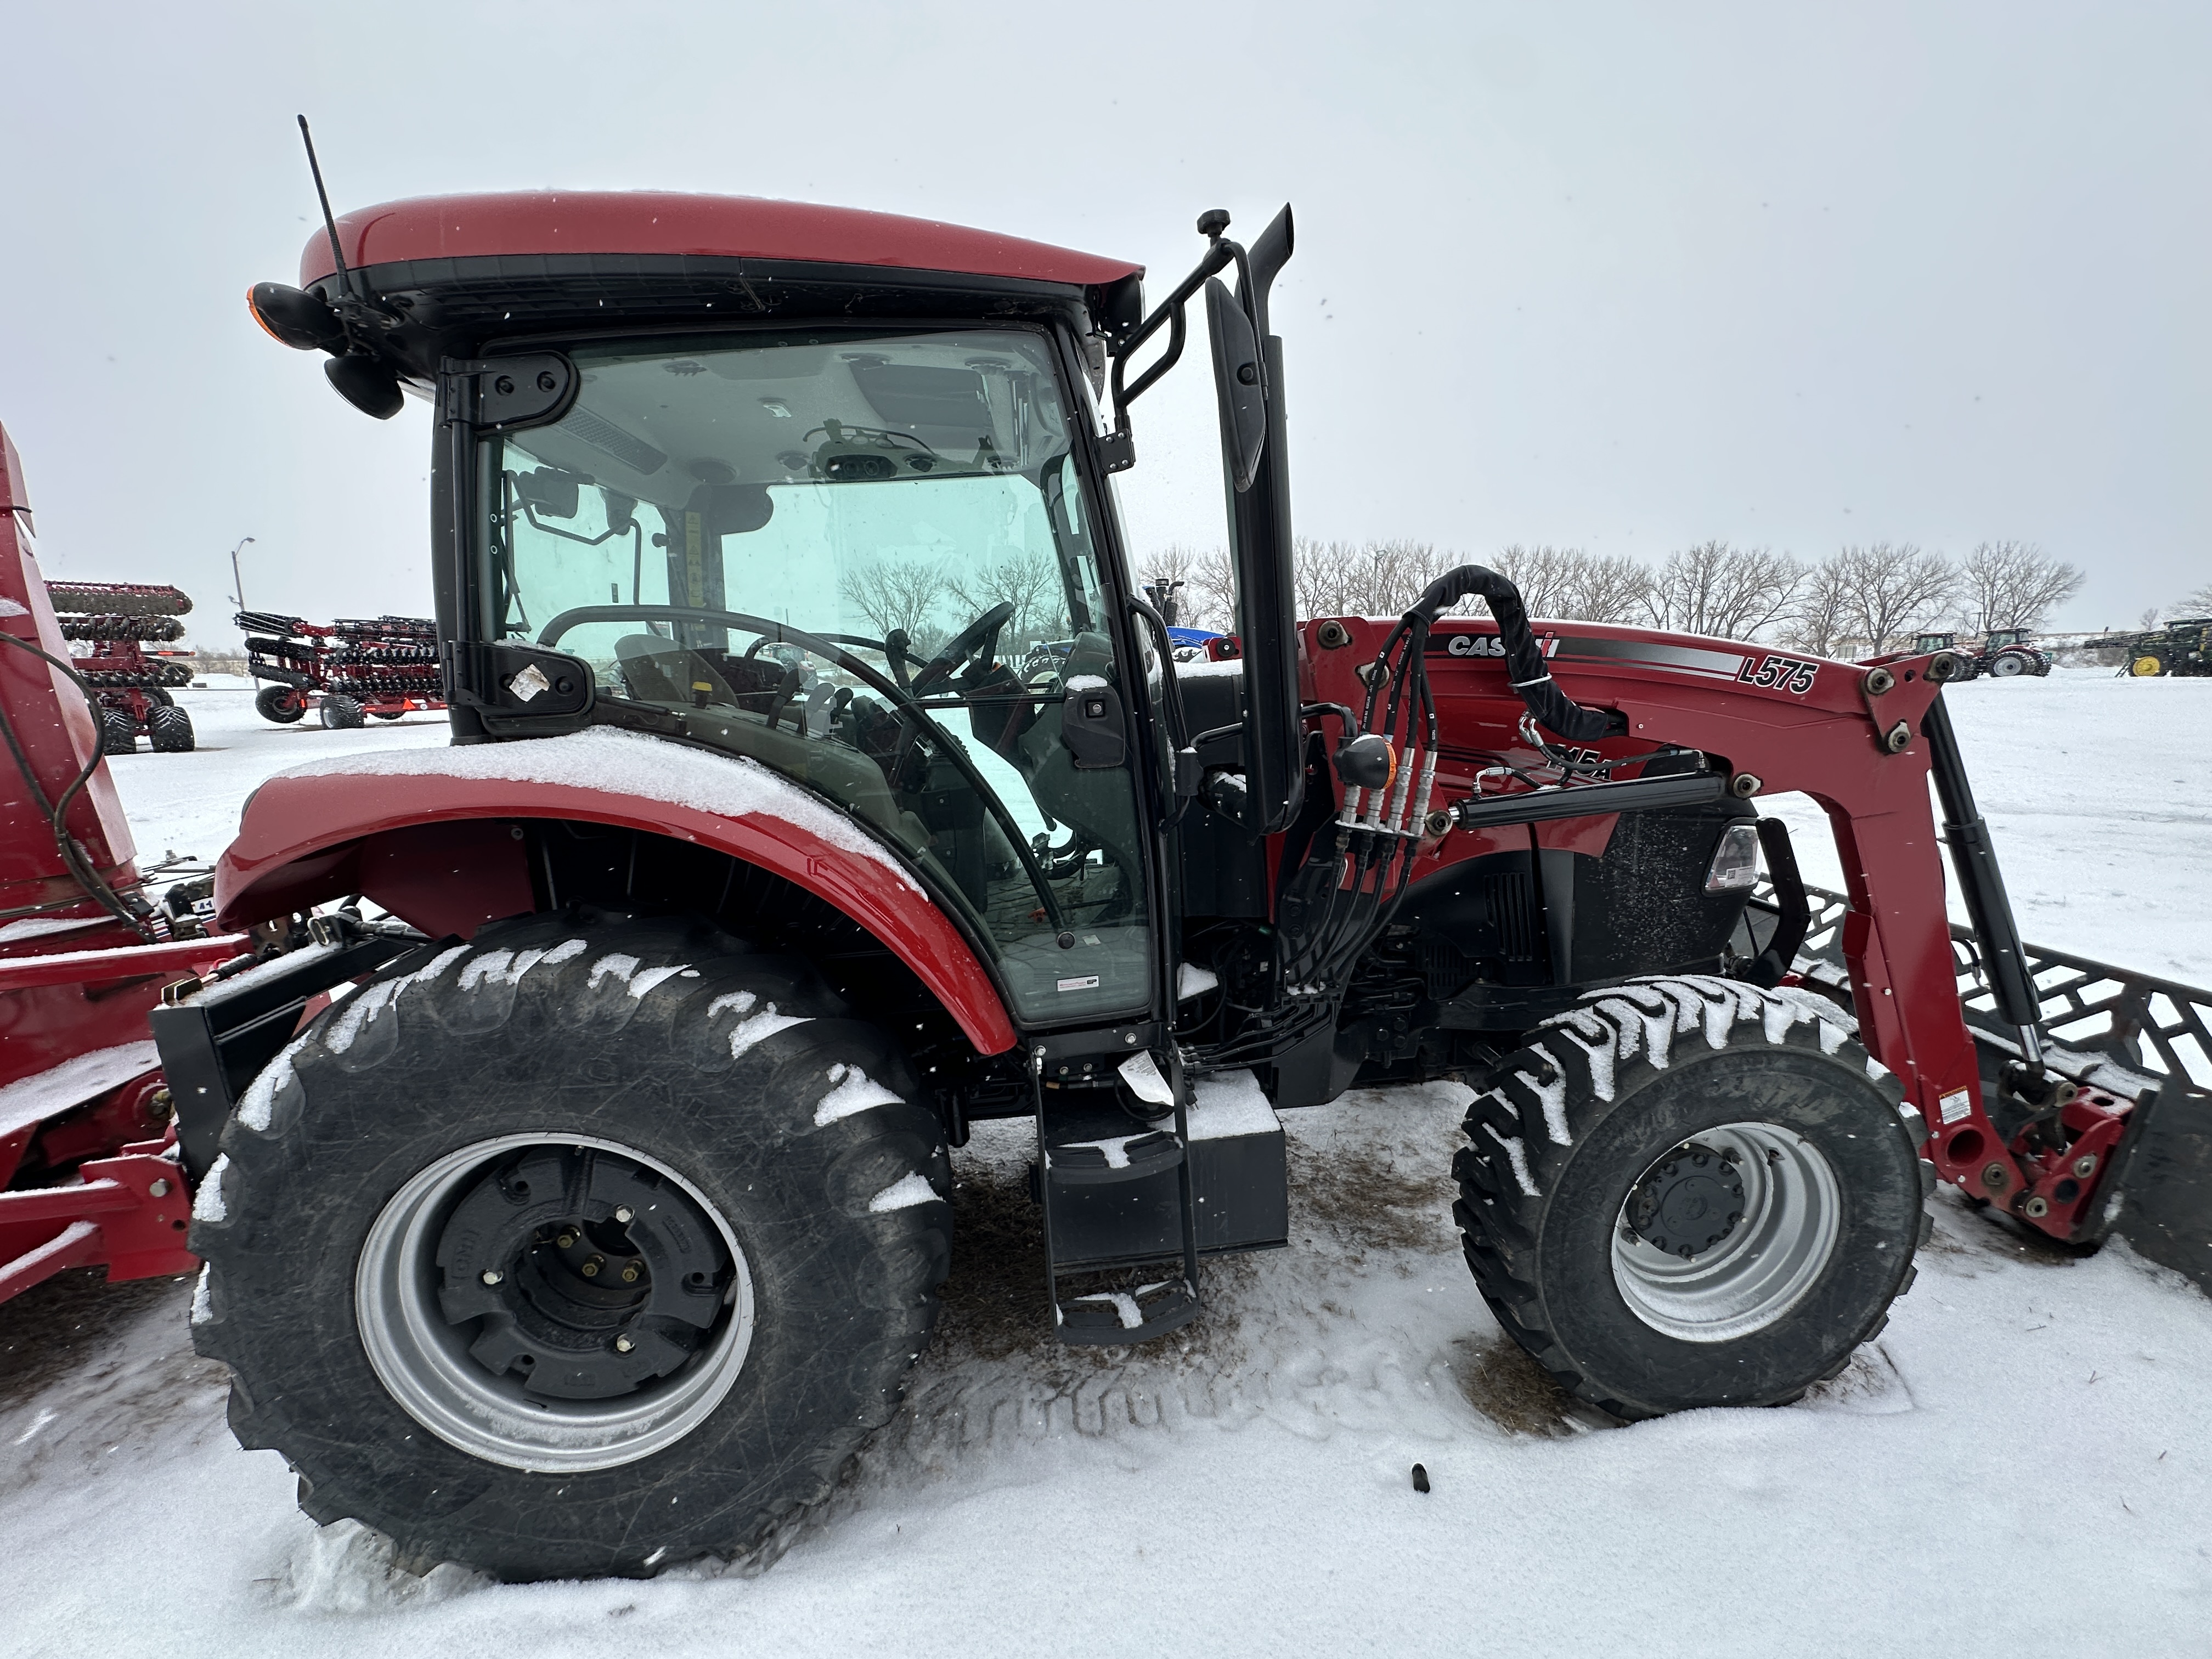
2001, 653
598, 1218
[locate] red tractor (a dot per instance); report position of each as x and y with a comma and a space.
600, 1219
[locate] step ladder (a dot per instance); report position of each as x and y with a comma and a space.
1118, 1209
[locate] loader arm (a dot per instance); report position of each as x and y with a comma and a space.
1848, 735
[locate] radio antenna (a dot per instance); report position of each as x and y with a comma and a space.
329, 224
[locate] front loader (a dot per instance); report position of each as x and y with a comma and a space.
821, 782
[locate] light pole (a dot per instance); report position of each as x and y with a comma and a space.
238, 588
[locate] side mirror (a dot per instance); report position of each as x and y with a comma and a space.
1239, 383
557, 495
368, 383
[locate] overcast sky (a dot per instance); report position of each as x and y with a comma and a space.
1620, 276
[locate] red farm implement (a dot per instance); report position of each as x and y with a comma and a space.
110, 626
345, 670
88, 1168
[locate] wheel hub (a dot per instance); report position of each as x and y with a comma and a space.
585, 1278
1689, 1201
1724, 1235
554, 1303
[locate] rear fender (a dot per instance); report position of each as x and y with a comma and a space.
447, 853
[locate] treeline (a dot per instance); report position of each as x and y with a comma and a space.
1859, 601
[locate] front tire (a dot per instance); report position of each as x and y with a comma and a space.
439, 1361
1691, 1192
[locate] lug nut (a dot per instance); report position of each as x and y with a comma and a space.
631, 1272
565, 1241
622, 1213
159, 1188
591, 1266
624, 1345
492, 1275
2036, 1208
2086, 1166
1993, 1177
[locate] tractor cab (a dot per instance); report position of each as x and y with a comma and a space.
1928, 643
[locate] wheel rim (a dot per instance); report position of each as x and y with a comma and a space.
2005, 667
2144, 667
516, 1361
1742, 1275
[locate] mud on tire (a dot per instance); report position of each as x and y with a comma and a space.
1649, 1182
731, 1074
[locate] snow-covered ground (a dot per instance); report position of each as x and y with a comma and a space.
2021, 1459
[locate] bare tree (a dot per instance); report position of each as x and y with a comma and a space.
1210, 601
896, 593
2014, 585
1362, 579
1174, 567
1727, 592
2198, 603
1027, 579
1892, 588
1818, 621
1566, 582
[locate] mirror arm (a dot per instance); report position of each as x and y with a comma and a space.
1119, 452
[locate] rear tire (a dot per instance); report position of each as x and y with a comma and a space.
1700, 1115
2007, 666
340, 713
367, 1156
280, 703
170, 731
119, 732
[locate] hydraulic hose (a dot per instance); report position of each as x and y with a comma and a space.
1553, 709
56, 813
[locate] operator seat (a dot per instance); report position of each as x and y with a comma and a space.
1097, 805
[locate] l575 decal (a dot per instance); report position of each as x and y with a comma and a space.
1788, 674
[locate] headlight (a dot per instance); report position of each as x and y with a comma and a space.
1735, 861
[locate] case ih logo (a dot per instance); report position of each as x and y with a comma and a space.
1487, 645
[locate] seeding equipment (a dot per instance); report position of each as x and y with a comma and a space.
89, 1170
600, 1217
2182, 647
354, 666
119, 621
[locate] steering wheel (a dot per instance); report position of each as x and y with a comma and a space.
978, 635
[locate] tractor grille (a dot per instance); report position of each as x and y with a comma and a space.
1512, 904
1507, 934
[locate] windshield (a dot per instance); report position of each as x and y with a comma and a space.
866, 561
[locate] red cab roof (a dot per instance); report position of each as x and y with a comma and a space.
665, 223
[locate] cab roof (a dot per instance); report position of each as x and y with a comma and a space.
648, 224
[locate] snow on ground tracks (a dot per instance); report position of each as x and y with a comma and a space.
2022, 1456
